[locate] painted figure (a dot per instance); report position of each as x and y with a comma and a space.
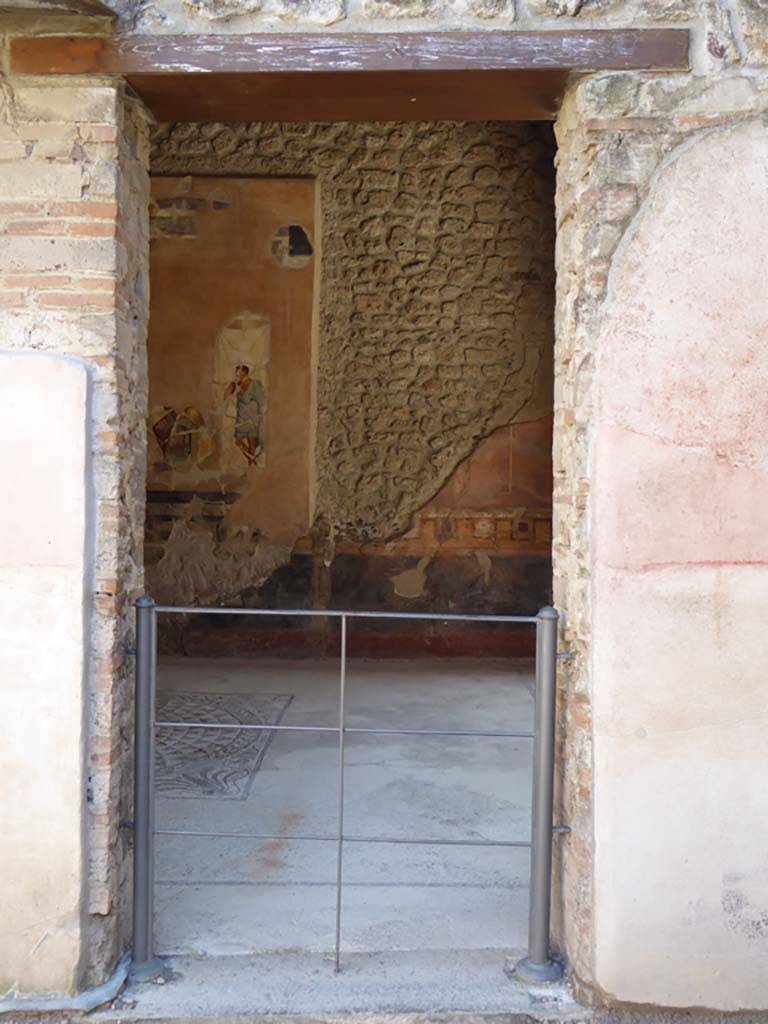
163, 429
179, 435
250, 400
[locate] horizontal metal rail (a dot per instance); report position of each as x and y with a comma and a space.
347, 838
347, 728
310, 613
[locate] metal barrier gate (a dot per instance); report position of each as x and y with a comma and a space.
538, 965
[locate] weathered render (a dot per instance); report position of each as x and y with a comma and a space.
73, 285
628, 208
43, 576
687, 593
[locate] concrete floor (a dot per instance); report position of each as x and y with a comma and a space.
218, 897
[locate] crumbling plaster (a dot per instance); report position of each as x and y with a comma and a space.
435, 298
217, 525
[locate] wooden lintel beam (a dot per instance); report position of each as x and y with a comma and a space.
355, 96
135, 55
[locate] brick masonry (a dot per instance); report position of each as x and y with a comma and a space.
73, 281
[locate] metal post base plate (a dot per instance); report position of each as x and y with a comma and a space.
531, 973
147, 971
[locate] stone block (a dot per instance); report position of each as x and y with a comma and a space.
668, 10
570, 8
486, 9
394, 9
67, 102
751, 21
51, 254
22, 179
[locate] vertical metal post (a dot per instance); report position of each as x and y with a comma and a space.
340, 846
144, 962
538, 965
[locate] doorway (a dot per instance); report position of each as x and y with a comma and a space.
384, 291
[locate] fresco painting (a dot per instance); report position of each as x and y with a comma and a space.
240, 384
182, 436
230, 342
231, 435
230, 517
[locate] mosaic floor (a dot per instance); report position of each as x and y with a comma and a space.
215, 763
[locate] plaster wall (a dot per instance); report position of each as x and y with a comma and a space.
73, 284
226, 291
658, 411
679, 691
45, 589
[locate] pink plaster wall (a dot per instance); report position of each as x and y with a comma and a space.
680, 588
510, 469
45, 572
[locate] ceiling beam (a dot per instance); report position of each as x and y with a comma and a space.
136, 55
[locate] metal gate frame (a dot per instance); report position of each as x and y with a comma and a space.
538, 965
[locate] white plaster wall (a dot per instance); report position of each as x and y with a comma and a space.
44, 568
680, 588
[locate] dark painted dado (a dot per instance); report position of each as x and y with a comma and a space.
452, 585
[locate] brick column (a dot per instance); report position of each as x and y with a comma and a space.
74, 283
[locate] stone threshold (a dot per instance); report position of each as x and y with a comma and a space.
404, 987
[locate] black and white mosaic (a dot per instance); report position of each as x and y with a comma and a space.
216, 763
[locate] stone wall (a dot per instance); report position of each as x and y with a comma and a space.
435, 299
616, 135
74, 218
726, 32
